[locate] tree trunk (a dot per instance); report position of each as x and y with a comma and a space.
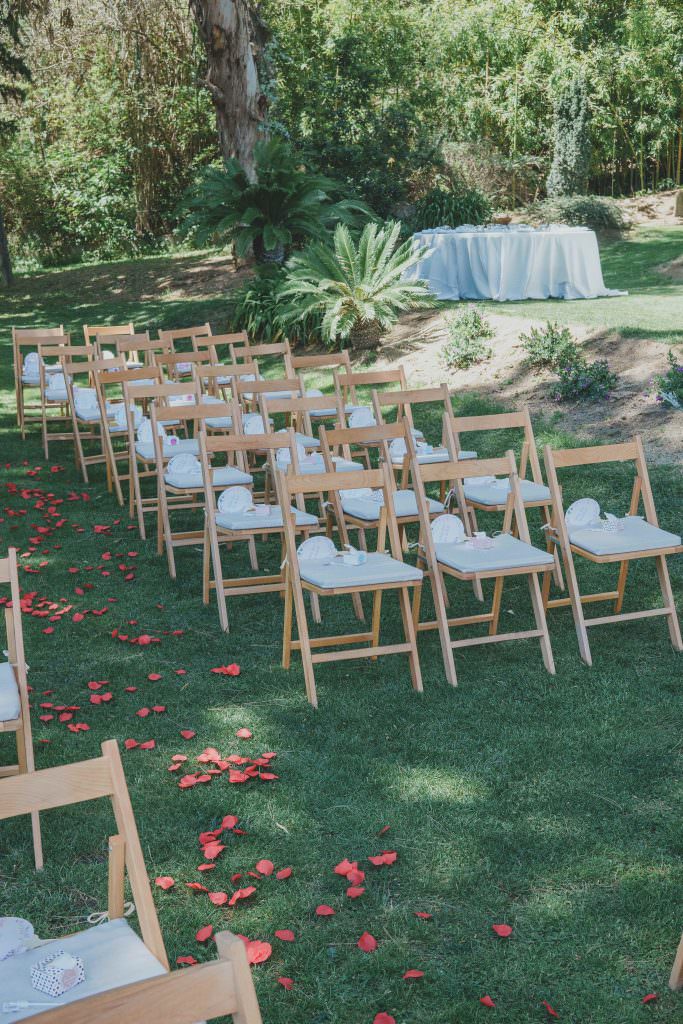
365, 335
234, 37
5, 261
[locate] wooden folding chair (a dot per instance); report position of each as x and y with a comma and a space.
214, 341
90, 422
380, 572
635, 539
676, 979
346, 387
25, 340
143, 453
487, 496
218, 988
54, 394
93, 332
477, 560
113, 379
14, 702
244, 525
138, 349
296, 366
126, 977
180, 491
359, 510
182, 334
177, 366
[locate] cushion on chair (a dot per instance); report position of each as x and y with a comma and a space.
223, 476
484, 491
378, 569
405, 505
306, 440
243, 519
436, 455
637, 535
145, 449
508, 552
112, 955
10, 706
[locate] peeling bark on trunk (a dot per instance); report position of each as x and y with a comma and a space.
234, 36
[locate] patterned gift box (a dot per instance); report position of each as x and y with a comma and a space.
53, 979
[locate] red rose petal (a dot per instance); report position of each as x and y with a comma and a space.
502, 929
367, 943
324, 911
285, 935
258, 952
487, 1001
553, 1013
412, 973
287, 983
218, 899
384, 1018
205, 933
650, 997
164, 882
265, 867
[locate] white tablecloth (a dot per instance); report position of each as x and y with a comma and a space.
508, 264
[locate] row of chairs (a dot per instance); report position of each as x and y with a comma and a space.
199, 409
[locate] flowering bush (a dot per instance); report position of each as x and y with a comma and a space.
668, 386
580, 379
467, 336
551, 346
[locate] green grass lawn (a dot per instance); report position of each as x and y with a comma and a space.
552, 804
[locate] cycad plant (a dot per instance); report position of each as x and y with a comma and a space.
285, 204
358, 289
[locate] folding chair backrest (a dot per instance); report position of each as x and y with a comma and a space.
344, 439
185, 333
503, 421
27, 333
240, 446
219, 377
405, 401
346, 382
40, 343
215, 989
120, 344
200, 341
77, 783
140, 345
631, 451
14, 637
92, 332
247, 351
325, 361
171, 363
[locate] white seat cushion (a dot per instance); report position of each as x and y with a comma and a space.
145, 382
437, 455
219, 422
327, 413
637, 535
242, 519
9, 694
223, 476
316, 464
56, 394
496, 494
145, 449
507, 553
376, 570
305, 440
405, 505
112, 955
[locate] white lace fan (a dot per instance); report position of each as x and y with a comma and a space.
317, 549
145, 431
582, 513
252, 423
284, 455
184, 464
235, 499
362, 417
447, 529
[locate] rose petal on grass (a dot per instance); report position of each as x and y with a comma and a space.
323, 910
487, 1001
287, 983
218, 899
412, 973
367, 943
650, 997
504, 930
285, 935
164, 882
265, 867
204, 933
384, 1018
546, 1004
258, 952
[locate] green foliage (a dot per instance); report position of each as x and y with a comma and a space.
256, 305
356, 288
468, 333
668, 386
452, 206
571, 140
580, 380
550, 347
285, 204
594, 212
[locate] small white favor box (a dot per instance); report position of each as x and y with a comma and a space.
58, 973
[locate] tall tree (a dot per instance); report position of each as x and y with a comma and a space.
13, 74
571, 140
234, 38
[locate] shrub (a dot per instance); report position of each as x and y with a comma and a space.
357, 289
582, 380
550, 347
571, 139
467, 336
457, 204
669, 386
285, 204
594, 212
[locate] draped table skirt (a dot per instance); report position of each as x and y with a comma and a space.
507, 265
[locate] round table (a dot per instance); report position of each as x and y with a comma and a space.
507, 264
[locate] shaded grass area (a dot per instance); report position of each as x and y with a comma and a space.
552, 804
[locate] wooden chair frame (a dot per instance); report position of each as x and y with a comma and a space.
141, 468
33, 338
615, 453
347, 382
221, 987
292, 485
168, 363
89, 780
118, 377
212, 341
528, 460
435, 571
134, 346
90, 430
217, 379
297, 365
404, 402
92, 332
238, 447
185, 333
676, 979
63, 412
178, 499
21, 726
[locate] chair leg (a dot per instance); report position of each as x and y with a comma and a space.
376, 618
287, 624
577, 608
25, 764
253, 557
621, 587
206, 567
667, 595
541, 623
411, 638
495, 607
439, 594
304, 646
551, 548
165, 537
218, 581
676, 979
